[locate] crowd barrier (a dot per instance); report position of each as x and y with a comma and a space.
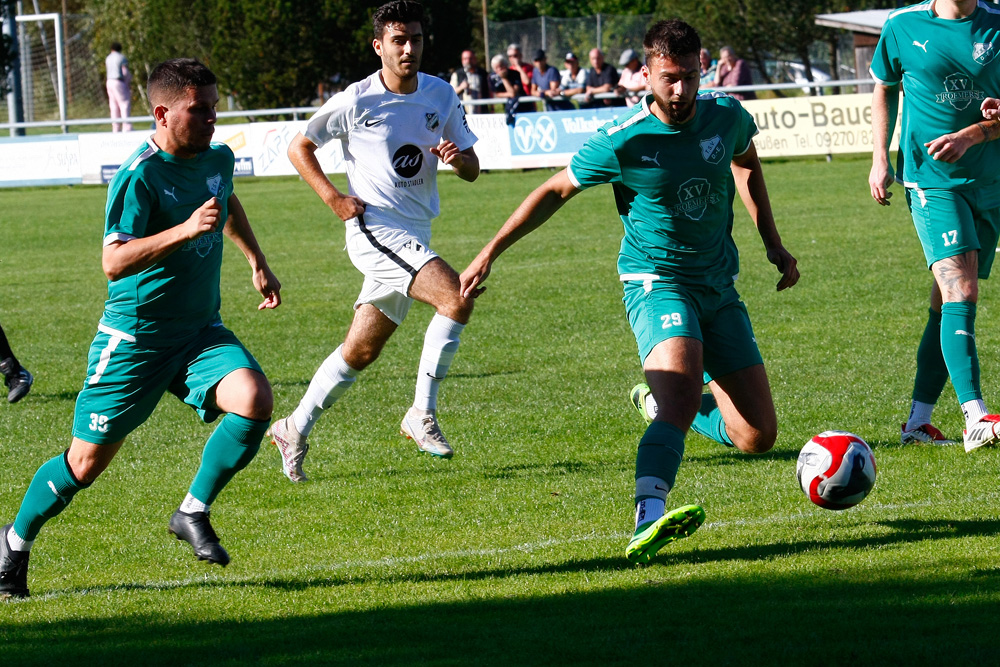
822, 125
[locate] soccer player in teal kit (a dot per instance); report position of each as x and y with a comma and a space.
672, 160
944, 55
168, 207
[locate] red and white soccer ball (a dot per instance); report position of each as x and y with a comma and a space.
836, 470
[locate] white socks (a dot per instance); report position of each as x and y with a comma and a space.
192, 505
333, 378
974, 411
16, 543
440, 346
653, 492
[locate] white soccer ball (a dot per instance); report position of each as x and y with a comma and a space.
836, 470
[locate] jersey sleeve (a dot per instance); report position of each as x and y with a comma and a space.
128, 209
456, 128
747, 130
886, 67
333, 120
596, 163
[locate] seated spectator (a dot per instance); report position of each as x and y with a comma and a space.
632, 82
470, 82
733, 71
707, 68
505, 83
522, 68
573, 78
545, 80
602, 78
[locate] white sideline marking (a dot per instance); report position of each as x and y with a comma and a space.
526, 547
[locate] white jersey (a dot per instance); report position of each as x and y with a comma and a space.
387, 139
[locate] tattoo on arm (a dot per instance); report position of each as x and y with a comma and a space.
990, 129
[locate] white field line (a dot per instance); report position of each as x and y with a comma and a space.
527, 547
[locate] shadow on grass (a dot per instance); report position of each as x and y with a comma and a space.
794, 618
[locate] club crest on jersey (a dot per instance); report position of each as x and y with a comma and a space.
959, 91
214, 184
432, 121
712, 149
983, 52
694, 196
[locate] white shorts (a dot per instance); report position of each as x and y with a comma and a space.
389, 257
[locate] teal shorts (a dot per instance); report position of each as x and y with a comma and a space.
715, 317
953, 222
126, 381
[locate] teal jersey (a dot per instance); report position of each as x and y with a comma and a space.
947, 68
673, 188
179, 295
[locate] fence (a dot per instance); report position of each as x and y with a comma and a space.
611, 33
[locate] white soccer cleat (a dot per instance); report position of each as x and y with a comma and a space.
984, 433
291, 446
925, 433
423, 429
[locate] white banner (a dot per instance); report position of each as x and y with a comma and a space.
48, 160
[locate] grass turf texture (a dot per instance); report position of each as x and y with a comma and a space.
513, 551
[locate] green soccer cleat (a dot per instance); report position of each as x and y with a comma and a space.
653, 536
640, 398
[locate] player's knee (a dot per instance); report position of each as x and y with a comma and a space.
459, 309
359, 357
753, 440
259, 400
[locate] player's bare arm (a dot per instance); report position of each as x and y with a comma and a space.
122, 259
302, 154
952, 146
749, 176
538, 207
885, 108
464, 163
239, 231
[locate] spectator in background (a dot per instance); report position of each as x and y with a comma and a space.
470, 82
602, 78
733, 71
707, 68
545, 80
632, 82
574, 77
119, 87
505, 83
522, 68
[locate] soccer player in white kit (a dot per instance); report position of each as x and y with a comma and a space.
392, 125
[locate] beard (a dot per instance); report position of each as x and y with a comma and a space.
678, 112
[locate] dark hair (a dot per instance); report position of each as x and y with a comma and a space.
672, 39
171, 78
116, 46
398, 11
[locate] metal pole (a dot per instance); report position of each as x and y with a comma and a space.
61, 72
543, 33
486, 38
599, 33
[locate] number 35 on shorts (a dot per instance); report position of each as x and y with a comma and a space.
98, 422
672, 320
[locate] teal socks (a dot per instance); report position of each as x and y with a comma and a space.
932, 372
709, 423
50, 492
958, 347
659, 455
230, 449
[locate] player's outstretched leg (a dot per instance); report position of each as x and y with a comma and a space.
13, 568
331, 380
230, 448
420, 422
17, 378
931, 376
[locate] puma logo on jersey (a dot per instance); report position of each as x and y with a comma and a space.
654, 160
922, 46
170, 193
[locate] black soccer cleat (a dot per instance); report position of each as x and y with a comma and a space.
13, 569
17, 378
195, 529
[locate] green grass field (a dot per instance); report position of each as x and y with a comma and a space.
512, 552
